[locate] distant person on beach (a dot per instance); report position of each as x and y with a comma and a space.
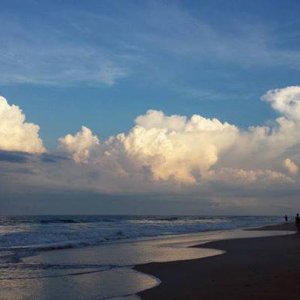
286, 218
297, 222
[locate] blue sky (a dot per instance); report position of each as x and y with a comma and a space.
102, 63
186, 106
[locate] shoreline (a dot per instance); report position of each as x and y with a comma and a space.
107, 271
252, 268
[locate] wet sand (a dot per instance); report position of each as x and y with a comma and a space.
104, 271
257, 268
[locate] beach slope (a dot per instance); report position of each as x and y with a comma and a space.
257, 268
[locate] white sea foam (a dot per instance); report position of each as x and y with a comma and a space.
56, 232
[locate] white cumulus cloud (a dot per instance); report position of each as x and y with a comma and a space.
191, 150
291, 166
170, 154
80, 144
285, 101
174, 147
15, 133
165, 147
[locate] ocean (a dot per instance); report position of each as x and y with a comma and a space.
92, 257
67, 231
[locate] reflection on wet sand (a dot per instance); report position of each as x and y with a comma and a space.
103, 272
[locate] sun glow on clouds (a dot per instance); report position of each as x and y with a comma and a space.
15, 133
80, 144
163, 149
291, 166
285, 101
191, 151
178, 148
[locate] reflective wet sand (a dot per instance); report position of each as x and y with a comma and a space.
104, 272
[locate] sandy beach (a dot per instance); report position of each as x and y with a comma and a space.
256, 268
107, 271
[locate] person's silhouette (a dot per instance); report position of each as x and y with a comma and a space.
286, 218
297, 222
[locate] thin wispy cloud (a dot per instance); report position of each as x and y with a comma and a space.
81, 46
31, 57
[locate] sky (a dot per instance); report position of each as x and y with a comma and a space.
149, 107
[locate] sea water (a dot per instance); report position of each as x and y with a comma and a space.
51, 232
92, 257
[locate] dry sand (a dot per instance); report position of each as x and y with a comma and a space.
258, 268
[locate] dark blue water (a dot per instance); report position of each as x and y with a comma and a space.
50, 232
105, 271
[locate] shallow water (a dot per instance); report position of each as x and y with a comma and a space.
104, 272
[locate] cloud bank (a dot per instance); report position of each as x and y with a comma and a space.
164, 154
197, 150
